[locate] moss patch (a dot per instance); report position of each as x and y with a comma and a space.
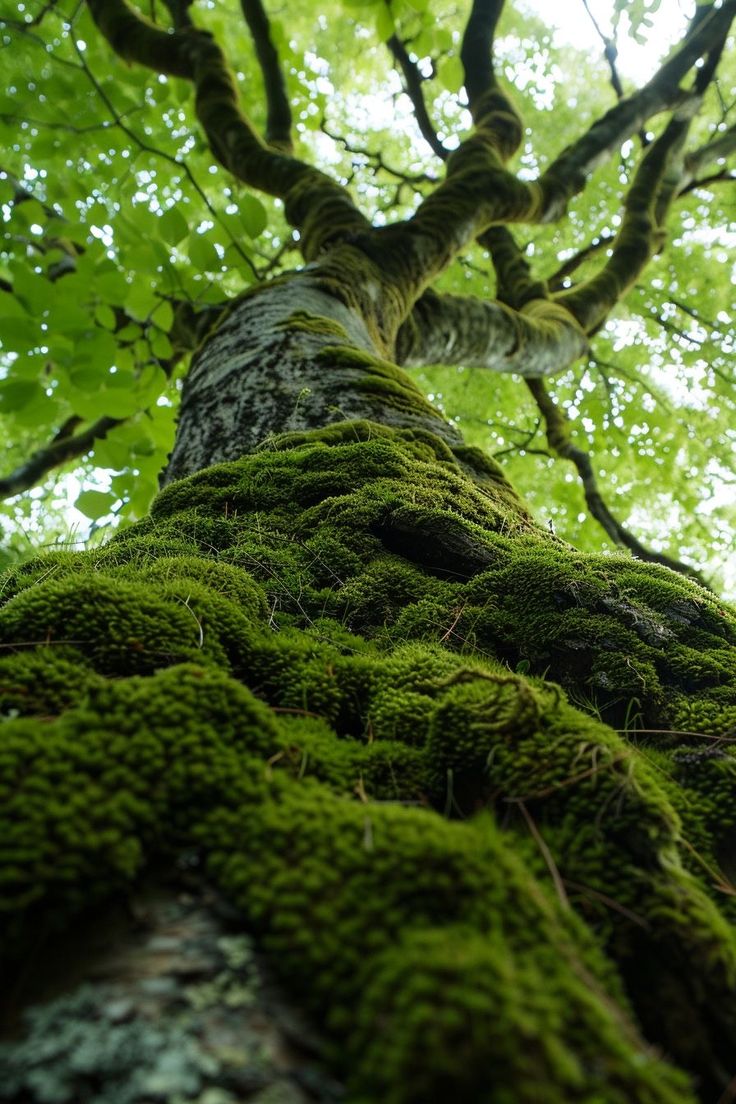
458, 778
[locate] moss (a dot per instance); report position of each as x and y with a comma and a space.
42, 682
315, 324
323, 669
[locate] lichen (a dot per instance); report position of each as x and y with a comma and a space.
457, 778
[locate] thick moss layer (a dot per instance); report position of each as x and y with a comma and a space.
324, 671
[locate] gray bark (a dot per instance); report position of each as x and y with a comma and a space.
272, 366
454, 329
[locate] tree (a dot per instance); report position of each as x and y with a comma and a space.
467, 788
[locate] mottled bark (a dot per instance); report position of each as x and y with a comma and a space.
540, 339
290, 356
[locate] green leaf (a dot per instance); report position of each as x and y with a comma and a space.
110, 284
141, 300
163, 315
87, 378
105, 316
161, 347
385, 26
202, 253
16, 394
18, 334
111, 452
95, 504
452, 73
173, 226
33, 290
252, 215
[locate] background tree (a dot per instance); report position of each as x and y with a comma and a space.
354, 613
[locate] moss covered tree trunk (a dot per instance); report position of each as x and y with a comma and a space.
467, 789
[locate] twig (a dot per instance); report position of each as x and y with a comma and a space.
558, 435
547, 855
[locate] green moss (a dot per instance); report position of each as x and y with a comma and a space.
322, 669
315, 324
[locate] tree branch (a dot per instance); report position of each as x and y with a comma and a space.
540, 339
316, 205
557, 426
566, 176
718, 149
479, 191
609, 52
515, 283
278, 117
413, 79
61, 449
645, 208
485, 96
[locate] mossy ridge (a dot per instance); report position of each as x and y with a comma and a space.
231, 574
190, 756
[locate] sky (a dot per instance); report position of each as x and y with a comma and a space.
574, 22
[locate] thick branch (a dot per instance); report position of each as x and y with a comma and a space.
316, 205
516, 284
541, 339
557, 426
645, 208
278, 118
488, 103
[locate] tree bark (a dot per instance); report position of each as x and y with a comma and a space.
468, 789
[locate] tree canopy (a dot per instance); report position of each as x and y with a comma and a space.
129, 225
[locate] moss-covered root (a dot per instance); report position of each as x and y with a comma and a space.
429, 945
350, 898
299, 650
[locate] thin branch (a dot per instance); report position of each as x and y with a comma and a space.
610, 53
278, 116
414, 79
558, 429
57, 452
723, 177
600, 241
567, 174
106, 124
720, 147
379, 162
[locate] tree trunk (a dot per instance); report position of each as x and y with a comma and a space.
468, 789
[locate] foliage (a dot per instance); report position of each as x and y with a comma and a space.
117, 217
